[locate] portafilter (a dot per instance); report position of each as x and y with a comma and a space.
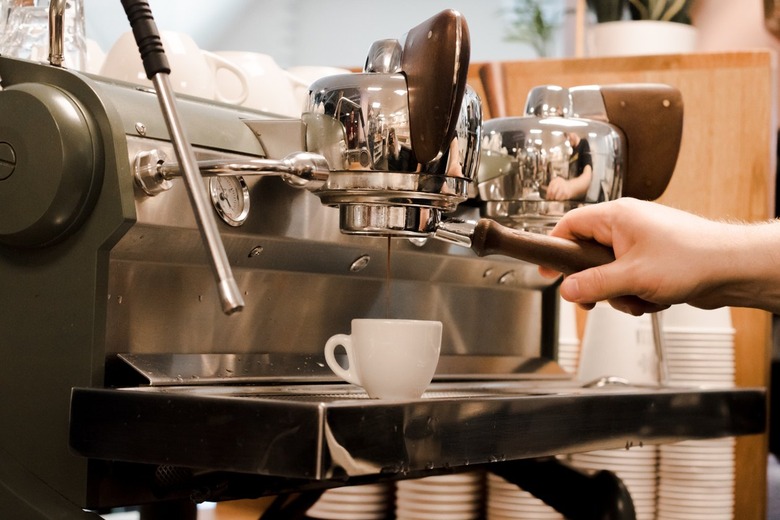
402, 138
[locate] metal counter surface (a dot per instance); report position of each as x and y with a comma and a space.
334, 431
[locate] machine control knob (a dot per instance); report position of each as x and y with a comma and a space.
51, 165
7, 160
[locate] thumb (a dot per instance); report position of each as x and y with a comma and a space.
591, 285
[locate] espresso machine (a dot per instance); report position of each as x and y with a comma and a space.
131, 377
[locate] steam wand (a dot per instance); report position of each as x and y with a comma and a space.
157, 70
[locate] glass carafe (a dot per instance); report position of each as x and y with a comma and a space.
25, 31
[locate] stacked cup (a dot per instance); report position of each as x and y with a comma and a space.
696, 478
193, 70
635, 467
444, 497
365, 502
568, 340
619, 345
699, 346
506, 501
616, 344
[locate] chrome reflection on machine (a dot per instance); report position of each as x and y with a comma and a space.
579, 145
536, 167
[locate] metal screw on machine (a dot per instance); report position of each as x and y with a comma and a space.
157, 70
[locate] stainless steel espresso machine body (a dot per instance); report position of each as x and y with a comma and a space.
125, 383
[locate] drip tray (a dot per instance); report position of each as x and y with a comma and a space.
326, 431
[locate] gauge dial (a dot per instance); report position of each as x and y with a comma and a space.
230, 197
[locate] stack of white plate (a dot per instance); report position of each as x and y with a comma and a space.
506, 501
696, 480
699, 346
365, 502
446, 497
568, 340
636, 467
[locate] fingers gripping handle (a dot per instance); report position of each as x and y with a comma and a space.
147, 37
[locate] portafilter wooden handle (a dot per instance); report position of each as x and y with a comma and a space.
560, 254
651, 116
435, 61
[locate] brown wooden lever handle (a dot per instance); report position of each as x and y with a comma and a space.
565, 256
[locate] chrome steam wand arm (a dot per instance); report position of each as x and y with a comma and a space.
300, 169
156, 65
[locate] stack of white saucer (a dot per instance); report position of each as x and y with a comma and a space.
699, 346
636, 467
444, 497
506, 501
568, 340
365, 502
696, 478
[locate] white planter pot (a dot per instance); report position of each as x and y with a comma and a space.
640, 37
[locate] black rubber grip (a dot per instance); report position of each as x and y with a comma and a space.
147, 37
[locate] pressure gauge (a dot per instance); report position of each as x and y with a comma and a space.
230, 197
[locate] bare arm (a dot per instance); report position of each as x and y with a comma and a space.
666, 256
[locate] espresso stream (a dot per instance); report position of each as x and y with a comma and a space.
388, 292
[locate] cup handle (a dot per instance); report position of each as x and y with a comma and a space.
218, 62
347, 374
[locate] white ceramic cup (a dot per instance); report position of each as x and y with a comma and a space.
390, 359
95, 57
304, 75
193, 71
617, 344
271, 88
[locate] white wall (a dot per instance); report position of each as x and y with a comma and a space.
310, 32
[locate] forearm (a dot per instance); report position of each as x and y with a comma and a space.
748, 271
581, 183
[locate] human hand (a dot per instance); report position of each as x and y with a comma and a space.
559, 189
576, 188
665, 256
